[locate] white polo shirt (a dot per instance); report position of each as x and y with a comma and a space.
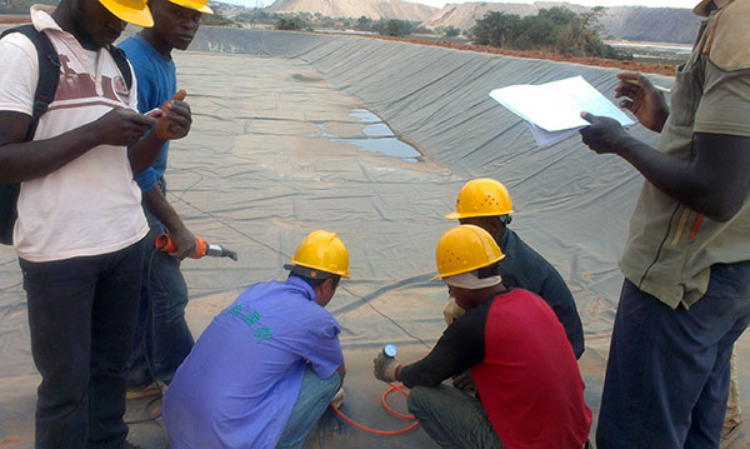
90, 206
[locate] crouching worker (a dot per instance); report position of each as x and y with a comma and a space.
530, 389
264, 371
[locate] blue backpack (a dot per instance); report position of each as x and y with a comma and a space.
49, 76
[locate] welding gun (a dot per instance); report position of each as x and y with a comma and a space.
202, 248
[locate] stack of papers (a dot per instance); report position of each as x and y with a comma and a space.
553, 110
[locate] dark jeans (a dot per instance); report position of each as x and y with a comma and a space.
452, 418
668, 370
81, 315
161, 317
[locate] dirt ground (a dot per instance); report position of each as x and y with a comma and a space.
661, 69
14, 19
644, 67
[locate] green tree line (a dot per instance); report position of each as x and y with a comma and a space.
556, 29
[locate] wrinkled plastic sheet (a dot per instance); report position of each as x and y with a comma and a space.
271, 158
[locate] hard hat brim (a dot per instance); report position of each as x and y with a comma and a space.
343, 274
138, 14
454, 273
459, 215
196, 6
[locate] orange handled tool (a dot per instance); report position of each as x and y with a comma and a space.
202, 248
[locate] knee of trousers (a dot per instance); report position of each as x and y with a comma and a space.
63, 389
418, 397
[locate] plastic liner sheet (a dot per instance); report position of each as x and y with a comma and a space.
274, 154
571, 205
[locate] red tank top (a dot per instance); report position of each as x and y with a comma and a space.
529, 381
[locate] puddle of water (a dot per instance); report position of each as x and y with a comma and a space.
389, 147
378, 130
379, 137
365, 116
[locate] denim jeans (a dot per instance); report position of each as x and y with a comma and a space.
452, 418
667, 375
313, 399
81, 315
161, 329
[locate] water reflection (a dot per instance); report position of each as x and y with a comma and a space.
379, 137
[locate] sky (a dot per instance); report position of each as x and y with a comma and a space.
440, 3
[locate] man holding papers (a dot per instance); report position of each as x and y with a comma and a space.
686, 295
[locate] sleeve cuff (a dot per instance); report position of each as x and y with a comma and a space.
146, 180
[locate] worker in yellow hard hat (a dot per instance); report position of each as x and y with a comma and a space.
266, 368
524, 368
486, 203
162, 339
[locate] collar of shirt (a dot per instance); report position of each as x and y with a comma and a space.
147, 47
304, 286
41, 17
507, 244
702, 8
43, 21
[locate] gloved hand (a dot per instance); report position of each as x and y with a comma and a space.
452, 311
386, 368
339, 398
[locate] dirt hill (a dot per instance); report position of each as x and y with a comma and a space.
465, 15
650, 24
374, 9
621, 23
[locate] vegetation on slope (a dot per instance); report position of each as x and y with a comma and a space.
555, 29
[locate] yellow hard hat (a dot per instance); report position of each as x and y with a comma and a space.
465, 248
324, 251
482, 197
131, 11
198, 5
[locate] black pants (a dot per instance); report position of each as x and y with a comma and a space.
82, 314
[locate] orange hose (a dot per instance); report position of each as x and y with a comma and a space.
393, 412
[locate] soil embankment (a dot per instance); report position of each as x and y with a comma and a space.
644, 67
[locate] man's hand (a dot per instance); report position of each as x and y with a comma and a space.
604, 135
465, 382
176, 120
386, 368
644, 101
184, 240
121, 127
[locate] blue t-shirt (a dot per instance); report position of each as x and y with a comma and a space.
239, 384
157, 83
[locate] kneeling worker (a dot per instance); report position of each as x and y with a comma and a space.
530, 388
486, 203
264, 371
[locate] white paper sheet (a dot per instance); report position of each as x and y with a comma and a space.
553, 110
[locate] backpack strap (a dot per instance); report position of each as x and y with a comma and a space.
46, 87
122, 64
49, 73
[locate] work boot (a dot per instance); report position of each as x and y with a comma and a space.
730, 434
